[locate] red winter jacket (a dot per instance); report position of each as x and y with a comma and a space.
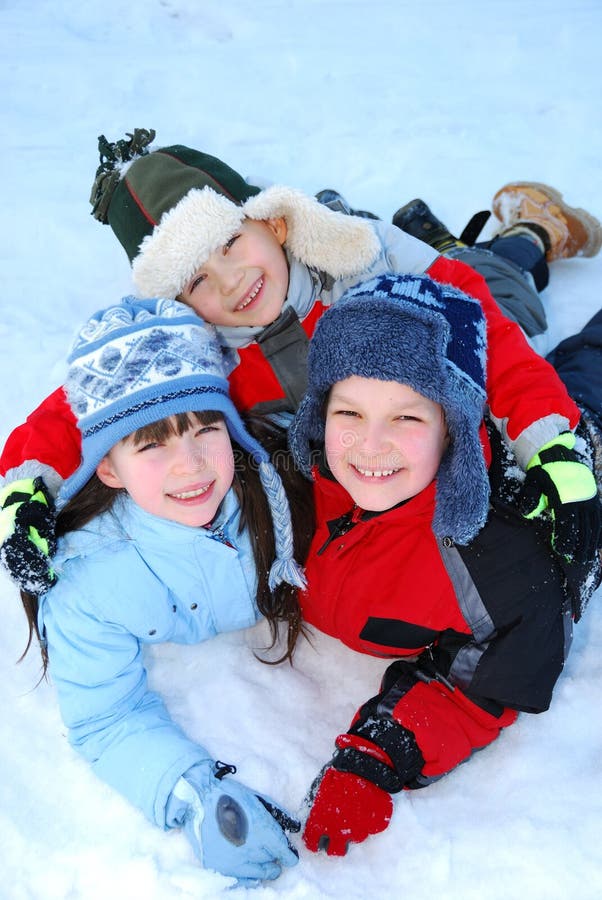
527, 399
488, 621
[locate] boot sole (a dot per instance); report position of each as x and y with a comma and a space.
575, 216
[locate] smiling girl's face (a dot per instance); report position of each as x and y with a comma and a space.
384, 442
176, 472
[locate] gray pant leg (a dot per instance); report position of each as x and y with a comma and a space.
511, 287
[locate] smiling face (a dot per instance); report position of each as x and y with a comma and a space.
383, 441
246, 281
173, 471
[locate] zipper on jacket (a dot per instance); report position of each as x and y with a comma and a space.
338, 527
218, 534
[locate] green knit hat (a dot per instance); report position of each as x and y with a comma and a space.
171, 208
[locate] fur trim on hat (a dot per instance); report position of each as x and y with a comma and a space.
333, 242
204, 220
183, 240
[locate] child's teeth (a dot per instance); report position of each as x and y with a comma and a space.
186, 495
252, 295
368, 473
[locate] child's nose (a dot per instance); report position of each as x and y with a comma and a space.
230, 278
190, 457
375, 437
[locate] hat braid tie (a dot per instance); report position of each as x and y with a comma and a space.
108, 173
284, 567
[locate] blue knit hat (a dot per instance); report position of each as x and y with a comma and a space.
144, 360
409, 329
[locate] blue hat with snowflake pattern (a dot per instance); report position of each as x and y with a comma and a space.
141, 361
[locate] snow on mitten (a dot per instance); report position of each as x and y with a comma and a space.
27, 534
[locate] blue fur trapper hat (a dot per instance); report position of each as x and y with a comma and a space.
141, 361
432, 337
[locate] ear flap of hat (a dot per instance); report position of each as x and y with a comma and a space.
463, 488
331, 241
306, 427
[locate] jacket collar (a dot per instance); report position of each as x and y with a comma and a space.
126, 521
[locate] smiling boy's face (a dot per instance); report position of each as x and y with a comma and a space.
245, 282
383, 441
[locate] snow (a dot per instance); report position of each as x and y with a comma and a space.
384, 100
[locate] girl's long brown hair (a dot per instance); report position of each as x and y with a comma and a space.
279, 607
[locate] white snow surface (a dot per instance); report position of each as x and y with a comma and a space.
384, 100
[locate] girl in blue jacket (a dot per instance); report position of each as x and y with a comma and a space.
160, 544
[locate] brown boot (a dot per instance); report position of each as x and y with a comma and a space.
569, 231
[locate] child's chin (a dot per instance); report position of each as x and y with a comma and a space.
377, 498
371, 504
192, 518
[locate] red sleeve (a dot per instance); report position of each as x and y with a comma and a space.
447, 726
521, 386
49, 436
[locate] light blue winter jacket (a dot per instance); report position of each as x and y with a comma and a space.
127, 579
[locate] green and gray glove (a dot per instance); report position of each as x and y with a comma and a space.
27, 534
559, 482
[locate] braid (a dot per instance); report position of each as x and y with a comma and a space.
280, 605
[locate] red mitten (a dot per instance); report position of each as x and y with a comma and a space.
346, 808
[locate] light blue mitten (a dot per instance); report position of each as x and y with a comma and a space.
232, 829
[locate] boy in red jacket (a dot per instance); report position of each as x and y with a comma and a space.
261, 265
426, 548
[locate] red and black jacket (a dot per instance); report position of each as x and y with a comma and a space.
478, 632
